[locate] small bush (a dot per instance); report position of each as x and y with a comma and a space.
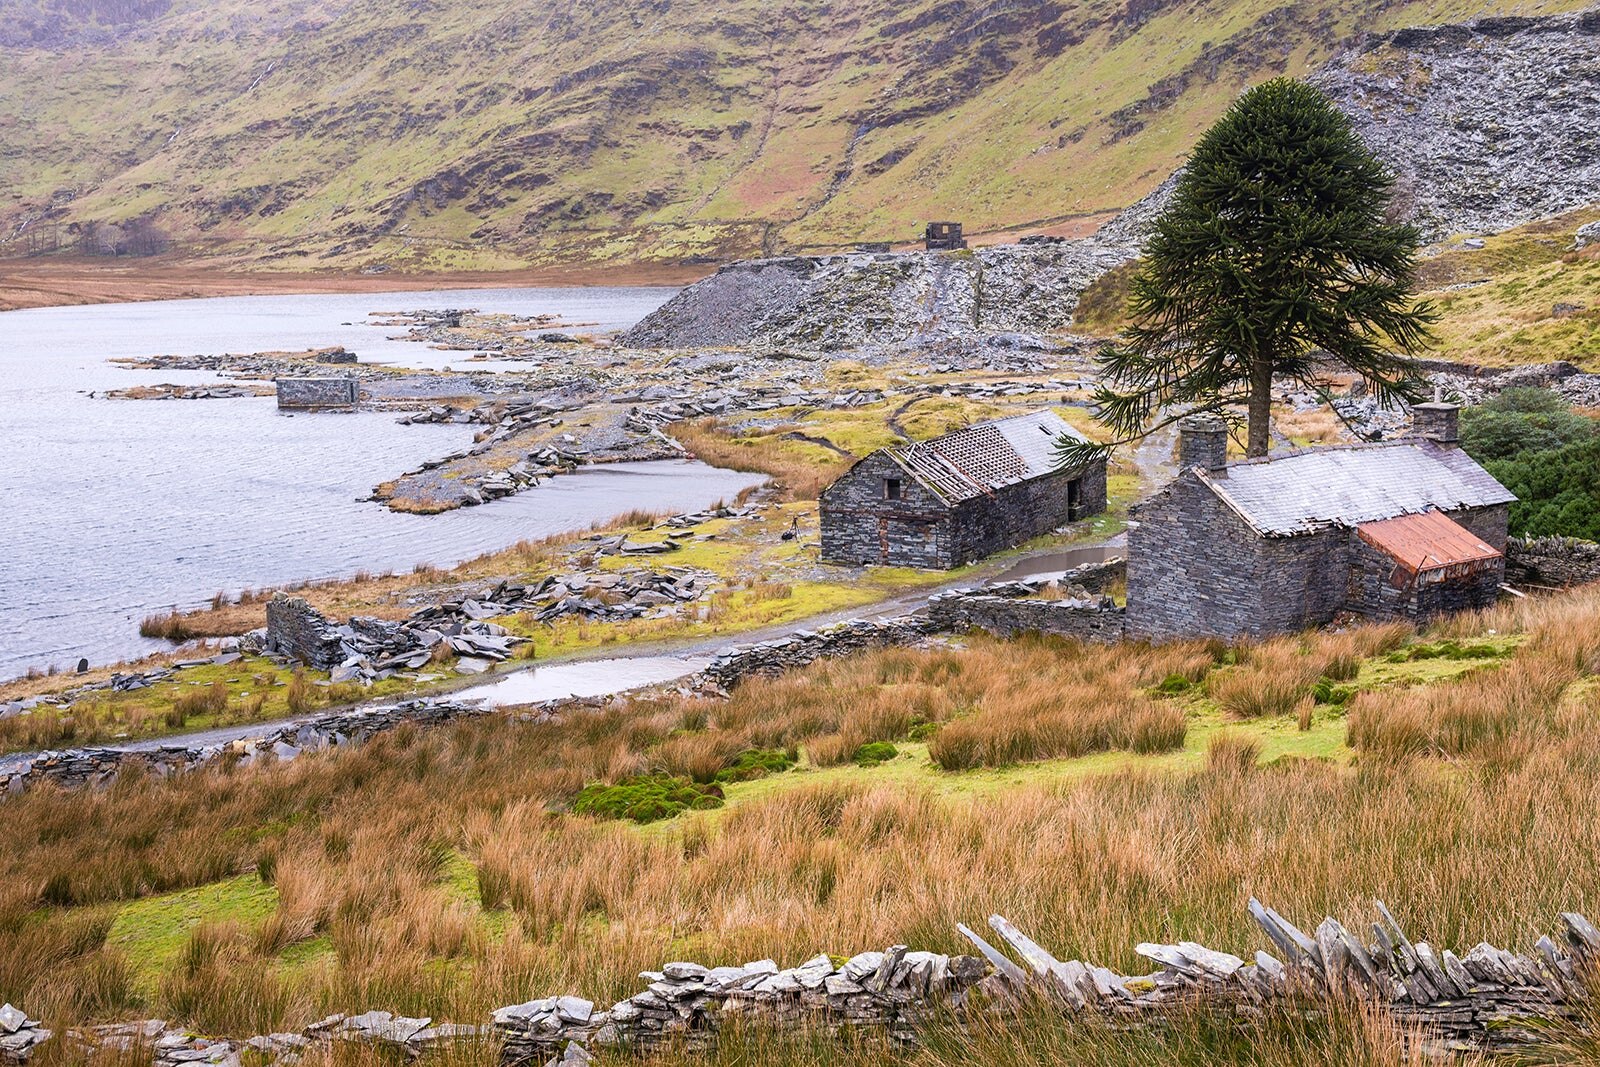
875, 752
1232, 753
212, 700
647, 798
757, 763
1173, 684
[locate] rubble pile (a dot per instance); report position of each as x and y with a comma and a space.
370, 650
610, 596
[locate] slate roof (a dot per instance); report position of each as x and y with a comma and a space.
1428, 542
1352, 484
985, 456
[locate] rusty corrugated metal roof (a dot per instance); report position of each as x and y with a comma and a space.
985, 456
1427, 541
1352, 484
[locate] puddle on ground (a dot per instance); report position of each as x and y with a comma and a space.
1054, 563
590, 678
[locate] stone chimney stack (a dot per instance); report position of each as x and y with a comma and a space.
1437, 421
1203, 443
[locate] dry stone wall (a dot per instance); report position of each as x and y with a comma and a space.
1010, 608
79, 767
807, 646
1487, 999
1552, 561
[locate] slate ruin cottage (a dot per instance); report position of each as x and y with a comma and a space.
960, 497
1410, 528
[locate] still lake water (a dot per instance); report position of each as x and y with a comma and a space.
111, 510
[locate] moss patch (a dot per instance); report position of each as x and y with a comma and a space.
150, 932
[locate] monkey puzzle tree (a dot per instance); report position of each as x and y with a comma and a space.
1275, 257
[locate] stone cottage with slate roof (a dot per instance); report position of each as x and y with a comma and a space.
960, 497
1410, 529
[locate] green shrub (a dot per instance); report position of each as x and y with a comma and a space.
875, 752
1327, 691
757, 763
646, 798
1173, 684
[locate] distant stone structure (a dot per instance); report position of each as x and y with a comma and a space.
943, 237
316, 394
1411, 529
960, 497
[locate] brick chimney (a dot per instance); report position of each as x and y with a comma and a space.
1203, 443
1437, 421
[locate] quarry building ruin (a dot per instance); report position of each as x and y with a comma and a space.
1410, 529
959, 497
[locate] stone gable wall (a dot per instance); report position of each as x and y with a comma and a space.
1193, 567
858, 523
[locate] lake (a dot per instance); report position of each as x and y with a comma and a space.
118, 509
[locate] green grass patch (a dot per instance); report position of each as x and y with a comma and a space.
151, 932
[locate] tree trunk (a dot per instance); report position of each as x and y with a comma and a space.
1260, 407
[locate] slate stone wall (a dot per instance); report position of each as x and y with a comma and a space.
1552, 561
1489, 523
301, 632
1008, 616
861, 526
313, 393
1193, 567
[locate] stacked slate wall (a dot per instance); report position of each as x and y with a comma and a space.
1552, 561
313, 393
1194, 567
988, 524
299, 631
1008, 616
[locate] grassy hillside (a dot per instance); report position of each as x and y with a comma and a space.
1099, 796
464, 134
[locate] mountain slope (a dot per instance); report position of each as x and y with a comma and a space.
470, 134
